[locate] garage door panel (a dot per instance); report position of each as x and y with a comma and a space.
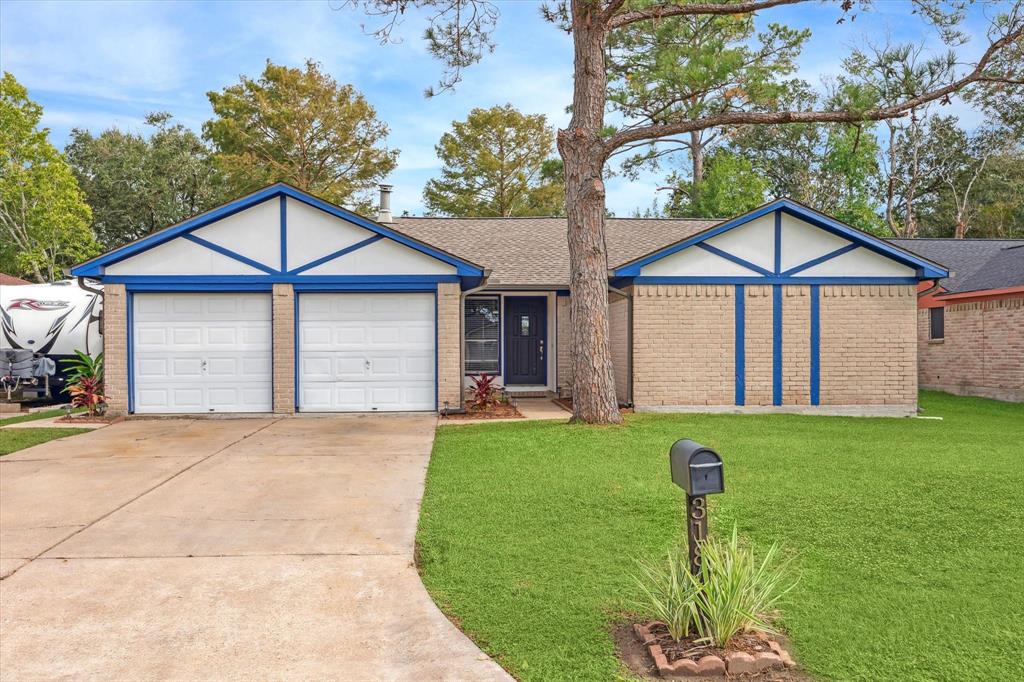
381, 352
200, 352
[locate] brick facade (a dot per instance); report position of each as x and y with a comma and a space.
115, 348
283, 312
449, 344
869, 345
563, 346
982, 353
618, 337
683, 345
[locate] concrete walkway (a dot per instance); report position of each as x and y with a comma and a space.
224, 549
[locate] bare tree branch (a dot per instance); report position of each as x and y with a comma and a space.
977, 74
670, 9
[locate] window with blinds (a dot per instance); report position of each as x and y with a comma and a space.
483, 334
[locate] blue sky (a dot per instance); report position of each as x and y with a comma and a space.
95, 65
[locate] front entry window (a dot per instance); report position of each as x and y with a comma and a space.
524, 325
483, 335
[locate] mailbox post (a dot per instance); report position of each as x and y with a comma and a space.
697, 470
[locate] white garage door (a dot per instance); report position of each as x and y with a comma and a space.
202, 353
366, 352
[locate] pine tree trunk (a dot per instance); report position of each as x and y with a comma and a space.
583, 153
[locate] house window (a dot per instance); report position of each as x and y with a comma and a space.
936, 323
483, 334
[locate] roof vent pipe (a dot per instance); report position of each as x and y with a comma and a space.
384, 210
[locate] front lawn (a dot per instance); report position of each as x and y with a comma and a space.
12, 440
909, 534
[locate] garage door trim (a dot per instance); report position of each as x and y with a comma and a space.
313, 289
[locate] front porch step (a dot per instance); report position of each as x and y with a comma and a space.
529, 392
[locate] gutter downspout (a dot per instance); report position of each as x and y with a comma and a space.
629, 340
462, 335
933, 287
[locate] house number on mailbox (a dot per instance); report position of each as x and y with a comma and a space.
697, 470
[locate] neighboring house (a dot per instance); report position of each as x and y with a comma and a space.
281, 302
11, 281
970, 327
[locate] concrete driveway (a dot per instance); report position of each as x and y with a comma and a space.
223, 549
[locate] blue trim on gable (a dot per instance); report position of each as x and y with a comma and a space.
131, 352
740, 345
820, 259
778, 242
777, 344
774, 280
284, 234
192, 281
94, 267
815, 344
230, 254
925, 270
337, 254
735, 259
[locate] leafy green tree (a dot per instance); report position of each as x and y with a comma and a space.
496, 163
301, 127
693, 66
136, 185
44, 220
730, 187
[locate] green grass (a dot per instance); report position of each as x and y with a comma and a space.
12, 440
32, 416
908, 534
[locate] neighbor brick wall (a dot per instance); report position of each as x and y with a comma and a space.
683, 345
115, 348
449, 344
618, 330
982, 353
563, 352
283, 313
868, 345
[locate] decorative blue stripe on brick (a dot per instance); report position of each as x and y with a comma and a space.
284, 233
778, 242
741, 341
735, 259
815, 344
295, 368
230, 254
820, 259
337, 254
130, 299
777, 344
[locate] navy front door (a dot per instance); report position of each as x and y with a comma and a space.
526, 331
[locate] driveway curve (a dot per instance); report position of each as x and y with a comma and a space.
224, 549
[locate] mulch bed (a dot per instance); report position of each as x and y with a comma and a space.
86, 419
566, 403
651, 653
499, 411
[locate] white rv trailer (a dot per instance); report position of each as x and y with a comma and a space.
52, 320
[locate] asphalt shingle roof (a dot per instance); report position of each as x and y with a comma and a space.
974, 264
534, 251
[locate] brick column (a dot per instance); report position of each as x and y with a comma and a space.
284, 348
115, 348
449, 344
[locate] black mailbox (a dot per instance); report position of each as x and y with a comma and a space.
696, 469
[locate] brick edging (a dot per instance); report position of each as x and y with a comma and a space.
735, 663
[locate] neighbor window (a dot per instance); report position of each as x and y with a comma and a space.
483, 334
936, 323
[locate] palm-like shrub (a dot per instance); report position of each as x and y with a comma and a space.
732, 593
85, 381
484, 392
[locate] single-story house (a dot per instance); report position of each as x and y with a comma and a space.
281, 302
970, 325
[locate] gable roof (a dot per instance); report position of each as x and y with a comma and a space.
534, 252
974, 264
94, 266
925, 268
